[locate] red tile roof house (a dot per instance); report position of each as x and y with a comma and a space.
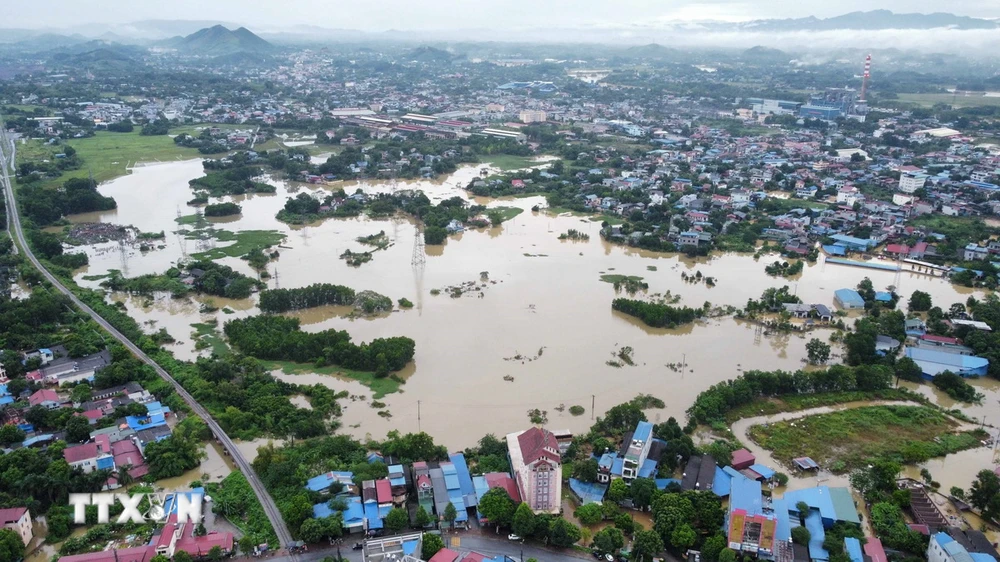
503, 480
383, 492
17, 519
535, 460
90, 456
127, 453
45, 398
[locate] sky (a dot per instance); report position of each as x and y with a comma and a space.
442, 14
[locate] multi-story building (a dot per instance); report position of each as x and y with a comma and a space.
637, 451
911, 182
17, 519
536, 464
533, 116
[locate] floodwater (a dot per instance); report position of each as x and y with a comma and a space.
542, 300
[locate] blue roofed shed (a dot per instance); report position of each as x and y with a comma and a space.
588, 492
848, 299
933, 362
853, 548
464, 480
323, 482
835, 250
765, 471
883, 296
859, 244
399, 480
648, 469
745, 494
817, 534
723, 482
662, 483
783, 523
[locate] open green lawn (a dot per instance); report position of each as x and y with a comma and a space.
507, 212
209, 334
379, 387
798, 402
509, 162
108, 155
245, 240
928, 100
27, 108
844, 440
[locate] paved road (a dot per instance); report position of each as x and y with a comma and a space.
467, 542
14, 227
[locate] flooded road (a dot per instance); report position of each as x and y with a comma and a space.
543, 301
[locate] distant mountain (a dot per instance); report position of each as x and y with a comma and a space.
109, 58
219, 40
873, 20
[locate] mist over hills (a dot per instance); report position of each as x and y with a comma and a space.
883, 29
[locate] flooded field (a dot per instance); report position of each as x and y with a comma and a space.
544, 302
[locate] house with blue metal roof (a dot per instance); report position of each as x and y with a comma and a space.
323, 482
464, 480
852, 547
817, 535
833, 504
156, 416
852, 243
848, 299
933, 362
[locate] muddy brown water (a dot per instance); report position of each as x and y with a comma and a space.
542, 293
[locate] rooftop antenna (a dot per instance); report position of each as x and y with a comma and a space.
867, 75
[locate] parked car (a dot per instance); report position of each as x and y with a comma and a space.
514, 537
357, 546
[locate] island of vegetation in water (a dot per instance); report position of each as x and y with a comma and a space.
280, 338
199, 276
657, 315
232, 176
317, 294
573, 234
222, 210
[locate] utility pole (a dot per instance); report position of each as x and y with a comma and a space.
593, 399
418, 415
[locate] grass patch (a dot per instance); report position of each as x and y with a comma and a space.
207, 335
616, 278
848, 439
506, 213
379, 387
509, 162
799, 402
96, 277
189, 219
244, 241
108, 155
956, 101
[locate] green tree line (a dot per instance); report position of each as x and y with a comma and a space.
280, 338
317, 294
